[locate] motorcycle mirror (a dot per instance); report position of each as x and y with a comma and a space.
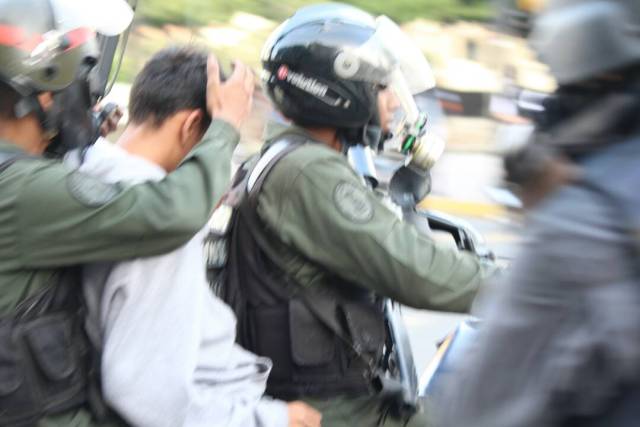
409, 185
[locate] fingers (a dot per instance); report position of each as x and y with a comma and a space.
116, 115
244, 74
110, 120
213, 71
249, 80
104, 130
313, 418
239, 74
303, 415
231, 101
213, 84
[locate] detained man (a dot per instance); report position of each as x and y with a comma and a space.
169, 356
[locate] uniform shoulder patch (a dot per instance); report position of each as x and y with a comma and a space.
90, 191
353, 202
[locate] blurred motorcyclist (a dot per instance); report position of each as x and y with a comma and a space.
313, 248
53, 218
560, 345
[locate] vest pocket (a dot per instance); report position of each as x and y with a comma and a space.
366, 327
56, 343
269, 337
312, 343
11, 376
51, 343
16, 394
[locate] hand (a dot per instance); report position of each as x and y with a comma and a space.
231, 100
303, 415
109, 117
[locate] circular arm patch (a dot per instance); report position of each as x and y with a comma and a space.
353, 202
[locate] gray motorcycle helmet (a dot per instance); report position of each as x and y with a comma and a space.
583, 39
51, 46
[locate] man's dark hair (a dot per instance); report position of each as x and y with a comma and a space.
8, 100
174, 79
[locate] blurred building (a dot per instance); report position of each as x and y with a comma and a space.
477, 67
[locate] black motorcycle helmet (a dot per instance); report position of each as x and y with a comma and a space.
51, 46
320, 69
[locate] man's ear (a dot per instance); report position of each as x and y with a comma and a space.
191, 131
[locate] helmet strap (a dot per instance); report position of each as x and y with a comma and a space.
27, 105
30, 104
77, 125
368, 135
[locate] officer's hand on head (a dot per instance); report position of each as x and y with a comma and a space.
231, 100
303, 415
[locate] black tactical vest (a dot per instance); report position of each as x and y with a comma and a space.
45, 356
323, 342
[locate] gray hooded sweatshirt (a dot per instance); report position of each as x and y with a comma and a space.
169, 356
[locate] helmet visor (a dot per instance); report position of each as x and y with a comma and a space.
409, 58
107, 17
386, 52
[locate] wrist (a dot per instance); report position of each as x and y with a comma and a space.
229, 119
220, 133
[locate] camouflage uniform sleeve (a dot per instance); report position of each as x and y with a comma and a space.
66, 217
323, 210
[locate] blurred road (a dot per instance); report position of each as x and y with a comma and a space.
466, 176
461, 176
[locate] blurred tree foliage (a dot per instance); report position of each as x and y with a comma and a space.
165, 22
202, 12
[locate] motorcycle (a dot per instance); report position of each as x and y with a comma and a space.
403, 186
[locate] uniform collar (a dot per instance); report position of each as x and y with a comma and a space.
112, 163
278, 130
8, 147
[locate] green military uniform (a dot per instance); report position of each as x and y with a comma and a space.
328, 221
325, 222
52, 217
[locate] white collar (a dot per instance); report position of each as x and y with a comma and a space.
114, 164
